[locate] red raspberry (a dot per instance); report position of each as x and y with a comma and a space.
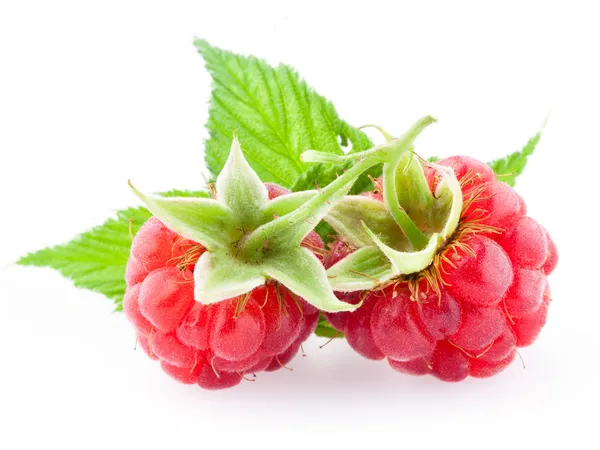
397, 332
358, 331
440, 316
489, 295
481, 268
209, 345
149, 253
552, 259
338, 250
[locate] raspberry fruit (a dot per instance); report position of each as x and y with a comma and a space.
221, 287
214, 345
484, 294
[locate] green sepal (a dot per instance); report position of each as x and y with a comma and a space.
447, 207
410, 261
292, 228
407, 229
449, 192
413, 194
218, 276
202, 220
251, 238
362, 269
348, 214
285, 204
240, 188
301, 272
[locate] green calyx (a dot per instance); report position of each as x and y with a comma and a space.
402, 234
250, 239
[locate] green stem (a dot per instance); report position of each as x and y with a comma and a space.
253, 246
417, 239
390, 196
255, 241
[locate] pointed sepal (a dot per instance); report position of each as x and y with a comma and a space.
301, 272
404, 263
290, 230
449, 192
218, 276
347, 215
200, 219
240, 188
363, 269
286, 204
408, 228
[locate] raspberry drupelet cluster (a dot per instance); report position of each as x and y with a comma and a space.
217, 345
484, 294
438, 269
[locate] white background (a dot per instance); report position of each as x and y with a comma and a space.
94, 93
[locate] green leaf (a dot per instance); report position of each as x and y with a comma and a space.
324, 329
276, 115
96, 259
507, 169
327, 233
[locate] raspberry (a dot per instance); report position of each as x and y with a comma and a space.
485, 293
339, 320
145, 344
552, 259
131, 309
155, 247
494, 203
209, 379
168, 349
283, 320
449, 363
214, 345
395, 331
186, 375
194, 331
527, 328
441, 316
309, 323
279, 361
338, 250
526, 293
479, 328
237, 336
526, 243
479, 274
165, 297
242, 365
502, 348
358, 331
419, 366
274, 190
481, 369
465, 166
